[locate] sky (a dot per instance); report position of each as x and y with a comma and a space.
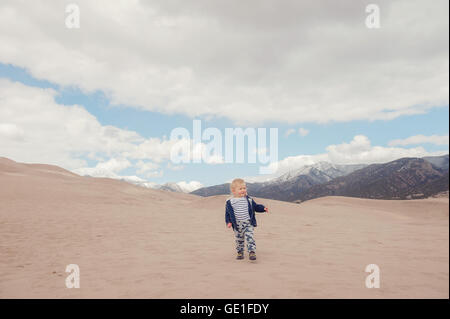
100, 89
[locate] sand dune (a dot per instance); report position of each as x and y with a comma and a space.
132, 242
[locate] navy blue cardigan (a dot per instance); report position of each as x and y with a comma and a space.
252, 208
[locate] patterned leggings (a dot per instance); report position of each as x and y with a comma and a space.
244, 228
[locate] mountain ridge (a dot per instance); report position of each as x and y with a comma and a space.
304, 183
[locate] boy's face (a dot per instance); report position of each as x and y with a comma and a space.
240, 190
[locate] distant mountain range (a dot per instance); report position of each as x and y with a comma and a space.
404, 178
289, 185
180, 187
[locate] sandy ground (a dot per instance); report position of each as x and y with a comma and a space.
132, 242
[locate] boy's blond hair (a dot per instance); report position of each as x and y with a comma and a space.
236, 182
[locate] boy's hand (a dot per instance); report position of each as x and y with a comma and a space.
229, 225
266, 209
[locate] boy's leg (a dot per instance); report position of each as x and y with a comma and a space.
239, 236
248, 230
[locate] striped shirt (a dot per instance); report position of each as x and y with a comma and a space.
240, 208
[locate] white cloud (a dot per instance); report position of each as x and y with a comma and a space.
174, 167
421, 139
149, 169
109, 168
289, 132
302, 131
144, 167
35, 128
358, 151
154, 174
114, 165
204, 58
11, 131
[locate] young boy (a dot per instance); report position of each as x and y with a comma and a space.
240, 214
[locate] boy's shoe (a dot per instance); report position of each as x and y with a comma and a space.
252, 255
240, 255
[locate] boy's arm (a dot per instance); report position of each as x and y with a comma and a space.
258, 208
227, 214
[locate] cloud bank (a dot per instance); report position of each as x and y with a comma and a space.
259, 60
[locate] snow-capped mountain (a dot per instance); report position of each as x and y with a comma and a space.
181, 187
320, 172
288, 185
425, 176
405, 178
